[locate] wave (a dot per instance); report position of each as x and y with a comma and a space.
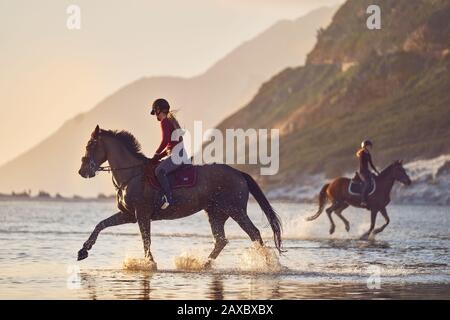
267, 236
156, 234
291, 235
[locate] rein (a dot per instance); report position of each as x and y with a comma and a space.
95, 168
119, 188
110, 169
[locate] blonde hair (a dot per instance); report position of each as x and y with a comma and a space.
360, 152
171, 117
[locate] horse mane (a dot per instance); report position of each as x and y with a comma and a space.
388, 168
128, 140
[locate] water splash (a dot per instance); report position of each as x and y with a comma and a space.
259, 258
298, 228
139, 264
190, 261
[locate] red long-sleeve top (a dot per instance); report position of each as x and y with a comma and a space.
167, 144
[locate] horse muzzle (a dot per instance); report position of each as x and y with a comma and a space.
407, 182
85, 174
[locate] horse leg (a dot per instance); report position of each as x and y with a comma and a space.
247, 225
144, 221
115, 220
329, 211
386, 218
373, 218
217, 221
338, 212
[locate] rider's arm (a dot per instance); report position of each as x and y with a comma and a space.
165, 128
371, 164
158, 156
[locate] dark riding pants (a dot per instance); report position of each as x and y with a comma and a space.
366, 180
162, 170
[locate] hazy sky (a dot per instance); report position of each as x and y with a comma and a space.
49, 73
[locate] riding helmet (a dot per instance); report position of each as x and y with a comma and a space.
366, 143
161, 104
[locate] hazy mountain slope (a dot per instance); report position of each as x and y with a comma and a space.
390, 85
221, 90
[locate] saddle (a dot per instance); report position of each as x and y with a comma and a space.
356, 184
183, 177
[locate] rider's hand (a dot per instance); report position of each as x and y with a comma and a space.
154, 159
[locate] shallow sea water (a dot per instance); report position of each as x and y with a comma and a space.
40, 241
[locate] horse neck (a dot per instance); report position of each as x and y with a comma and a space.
118, 157
385, 181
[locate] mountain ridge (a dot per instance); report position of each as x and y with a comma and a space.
52, 164
397, 96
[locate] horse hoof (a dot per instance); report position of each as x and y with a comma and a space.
331, 230
347, 228
364, 237
207, 265
153, 266
82, 254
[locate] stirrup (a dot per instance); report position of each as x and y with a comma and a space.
165, 204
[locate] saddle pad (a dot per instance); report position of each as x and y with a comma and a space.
184, 177
355, 188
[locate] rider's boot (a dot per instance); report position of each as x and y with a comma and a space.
167, 198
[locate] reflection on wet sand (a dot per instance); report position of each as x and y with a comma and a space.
104, 285
88, 283
215, 291
115, 284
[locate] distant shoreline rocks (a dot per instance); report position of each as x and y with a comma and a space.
431, 185
45, 196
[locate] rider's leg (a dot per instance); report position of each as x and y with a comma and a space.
365, 188
161, 172
364, 193
165, 186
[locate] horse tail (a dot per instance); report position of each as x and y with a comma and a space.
272, 216
322, 202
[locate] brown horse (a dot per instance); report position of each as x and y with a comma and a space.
221, 191
337, 192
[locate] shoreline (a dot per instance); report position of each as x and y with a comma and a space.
45, 199
273, 199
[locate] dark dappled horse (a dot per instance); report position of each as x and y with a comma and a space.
340, 195
220, 190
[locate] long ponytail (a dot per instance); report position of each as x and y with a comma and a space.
360, 152
171, 117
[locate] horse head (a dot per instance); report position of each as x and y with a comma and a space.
399, 173
95, 155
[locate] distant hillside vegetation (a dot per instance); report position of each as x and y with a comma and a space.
390, 85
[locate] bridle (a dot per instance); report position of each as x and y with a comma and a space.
94, 167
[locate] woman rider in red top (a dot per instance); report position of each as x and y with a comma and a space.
169, 124
365, 159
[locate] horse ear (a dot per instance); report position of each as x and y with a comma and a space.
401, 162
96, 132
